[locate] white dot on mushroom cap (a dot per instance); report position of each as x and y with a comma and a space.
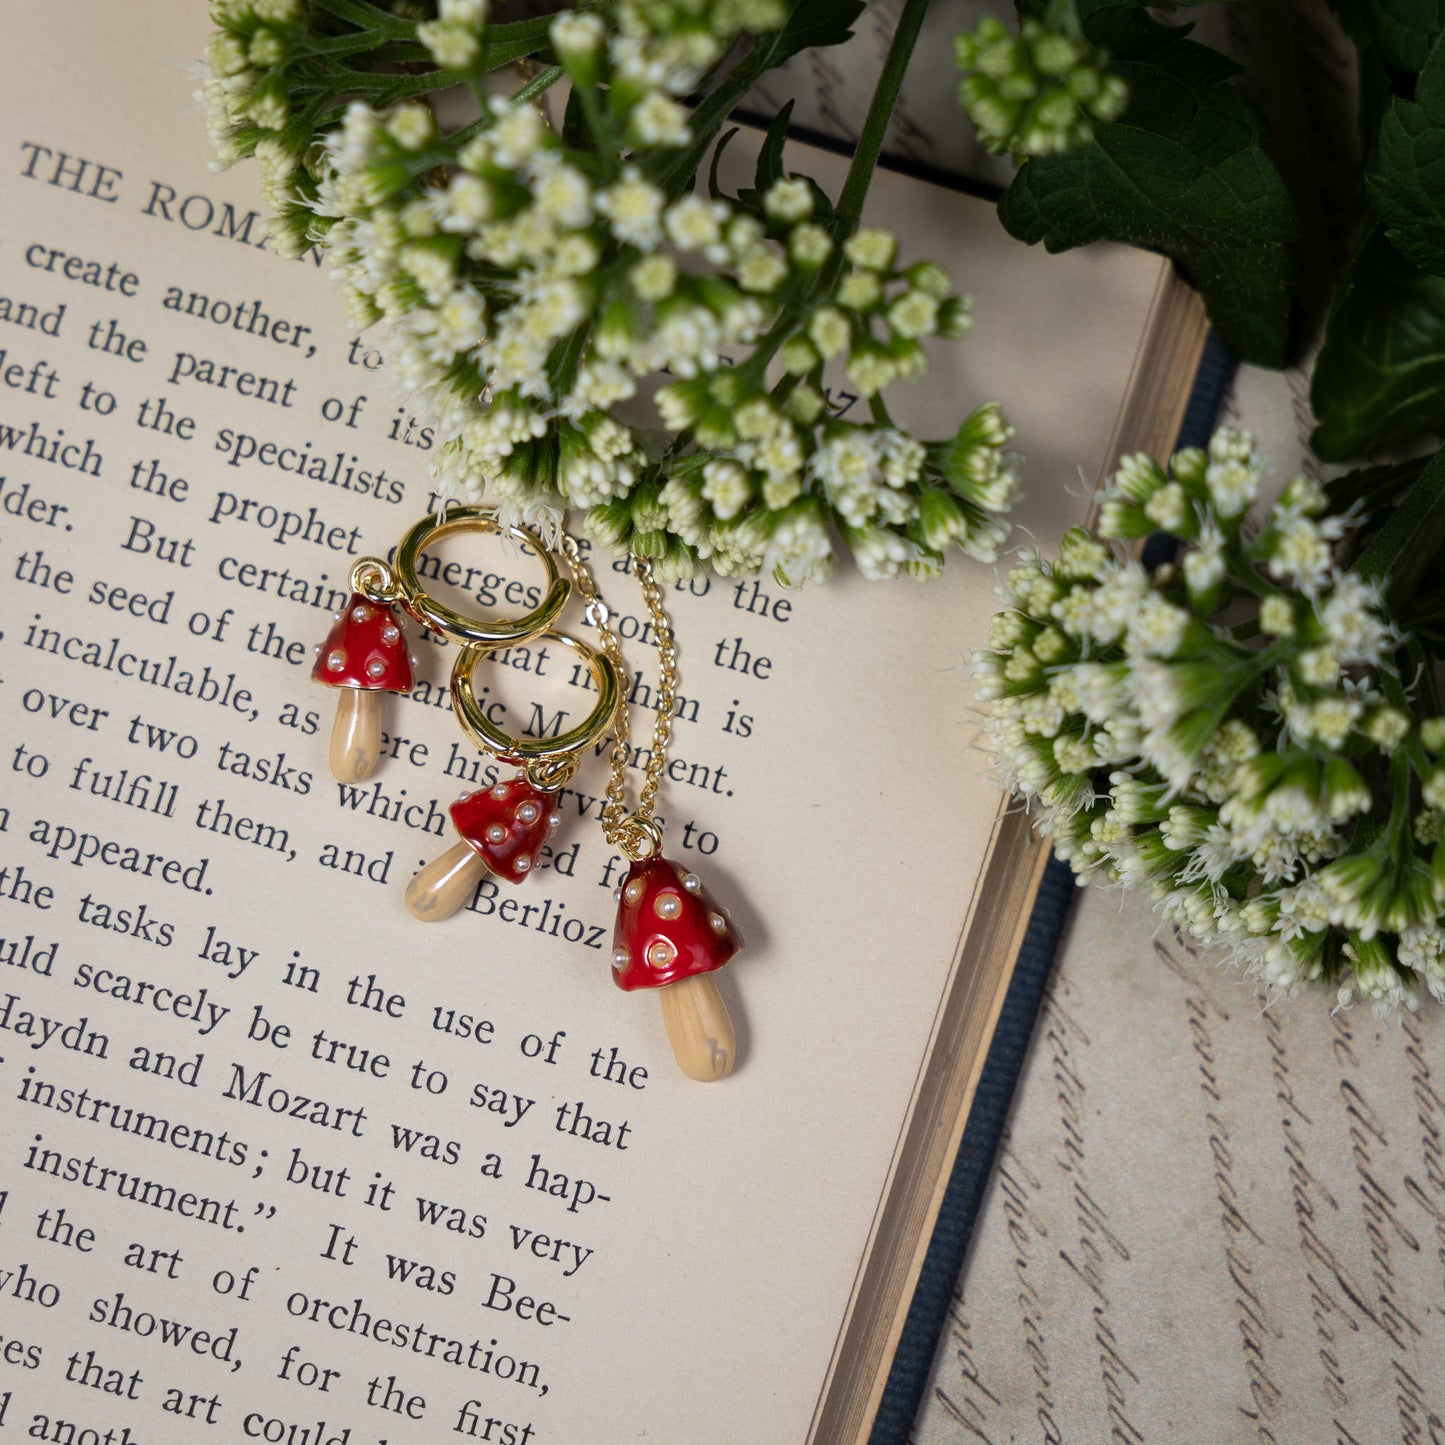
391, 634
496, 833
555, 821
360, 613
375, 668
718, 922
528, 813
617, 895
316, 647
462, 797
661, 953
522, 864
667, 905
691, 882
336, 659
633, 891
499, 792
620, 958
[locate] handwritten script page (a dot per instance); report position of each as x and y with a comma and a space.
1208, 1221
276, 1157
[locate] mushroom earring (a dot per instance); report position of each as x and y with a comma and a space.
364, 655
503, 829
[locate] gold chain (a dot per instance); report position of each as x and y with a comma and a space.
637, 833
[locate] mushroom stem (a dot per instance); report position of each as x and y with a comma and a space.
356, 734
445, 883
698, 1027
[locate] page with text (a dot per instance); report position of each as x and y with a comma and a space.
280, 1162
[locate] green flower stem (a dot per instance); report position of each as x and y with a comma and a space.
875, 127
860, 171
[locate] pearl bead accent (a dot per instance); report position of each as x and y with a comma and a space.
336, 659
360, 613
661, 953
633, 892
500, 792
691, 882
667, 905
496, 833
528, 813
620, 958
375, 668
555, 821
391, 635
718, 923
522, 864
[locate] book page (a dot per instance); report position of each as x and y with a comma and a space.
280, 1162
1208, 1220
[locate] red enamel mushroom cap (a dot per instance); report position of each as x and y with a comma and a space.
366, 649
668, 928
506, 826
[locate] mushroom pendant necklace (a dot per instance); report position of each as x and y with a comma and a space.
670, 934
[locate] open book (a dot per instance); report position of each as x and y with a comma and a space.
281, 1163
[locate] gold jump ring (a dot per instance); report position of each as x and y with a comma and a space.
488, 736
491, 632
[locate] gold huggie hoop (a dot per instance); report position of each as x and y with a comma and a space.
492, 632
488, 736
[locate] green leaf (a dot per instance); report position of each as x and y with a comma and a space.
1379, 380
810, 23
714, 188
1408, 184
770, 157
1371, 488
1401, 30
1408, 543
574, 122
1182, 171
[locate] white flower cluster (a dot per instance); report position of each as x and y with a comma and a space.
1229, 732
536, 286
245, 92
